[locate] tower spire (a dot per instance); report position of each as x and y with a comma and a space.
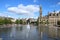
40, 11
40, 7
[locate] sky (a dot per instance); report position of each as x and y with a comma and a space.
27, 8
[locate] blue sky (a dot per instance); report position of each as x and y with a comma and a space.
27, 8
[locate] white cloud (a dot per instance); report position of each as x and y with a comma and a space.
21, 9
58, 3
56, 11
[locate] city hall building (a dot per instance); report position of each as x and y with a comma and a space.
51, 17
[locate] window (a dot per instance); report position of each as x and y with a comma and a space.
49, 14
53, 14
57, 14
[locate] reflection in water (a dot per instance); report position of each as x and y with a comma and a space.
29, 33
50, 33
21, 28
41, 35
28, 29
13, 31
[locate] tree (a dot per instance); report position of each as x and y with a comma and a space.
21, 22
7, 21
37, 22
46, 22
17, 21
1, 21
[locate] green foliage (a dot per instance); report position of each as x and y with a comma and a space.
9, 21
37, 22
5, 21
19, 21
1, 21
46, 22
41, 22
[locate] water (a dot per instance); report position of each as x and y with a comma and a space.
22, 32
29, 32
13, 31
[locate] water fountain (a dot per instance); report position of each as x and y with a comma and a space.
28, 26
13, 31
28, 30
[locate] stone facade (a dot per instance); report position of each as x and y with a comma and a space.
32, 20
54, 17
51, 17
40, 17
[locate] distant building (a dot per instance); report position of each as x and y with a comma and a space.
40, 13
13, 20
32, 20
40, 16
54, 17
51, 17
24, 20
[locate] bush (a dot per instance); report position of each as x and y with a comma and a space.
1, 21
19, 21
5, 21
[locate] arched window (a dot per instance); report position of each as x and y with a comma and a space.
53, 14
49, 14
57, 14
